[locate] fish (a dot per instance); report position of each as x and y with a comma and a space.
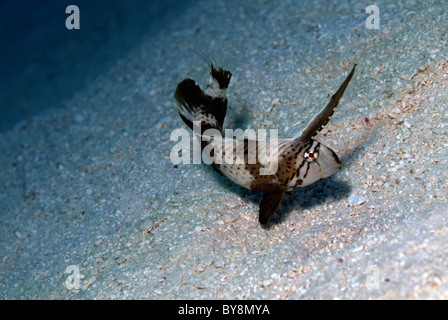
298, 162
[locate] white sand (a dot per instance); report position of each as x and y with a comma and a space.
81, 185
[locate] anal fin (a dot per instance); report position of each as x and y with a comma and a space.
269, 204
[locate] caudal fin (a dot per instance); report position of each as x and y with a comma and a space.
188, 96
207, 107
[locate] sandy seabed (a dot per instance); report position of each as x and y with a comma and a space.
91, 185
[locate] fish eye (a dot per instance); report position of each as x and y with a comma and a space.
310, 155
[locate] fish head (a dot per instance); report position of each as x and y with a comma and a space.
317, 162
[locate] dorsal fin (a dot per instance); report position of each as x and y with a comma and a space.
322, 118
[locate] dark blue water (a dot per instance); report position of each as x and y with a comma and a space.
43, 63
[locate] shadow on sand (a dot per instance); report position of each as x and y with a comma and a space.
299, 199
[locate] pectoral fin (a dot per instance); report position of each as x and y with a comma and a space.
268, 205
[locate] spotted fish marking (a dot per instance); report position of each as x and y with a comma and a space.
300, 160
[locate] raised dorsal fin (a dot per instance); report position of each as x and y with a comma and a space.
322, 118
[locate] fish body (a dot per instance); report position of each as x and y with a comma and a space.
274, 166
299, 164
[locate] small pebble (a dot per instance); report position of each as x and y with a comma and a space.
356, 200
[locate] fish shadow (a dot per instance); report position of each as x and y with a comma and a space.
239, 119
230, 186
308, 197
320, 192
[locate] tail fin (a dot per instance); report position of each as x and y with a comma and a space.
188, 96
209, 107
